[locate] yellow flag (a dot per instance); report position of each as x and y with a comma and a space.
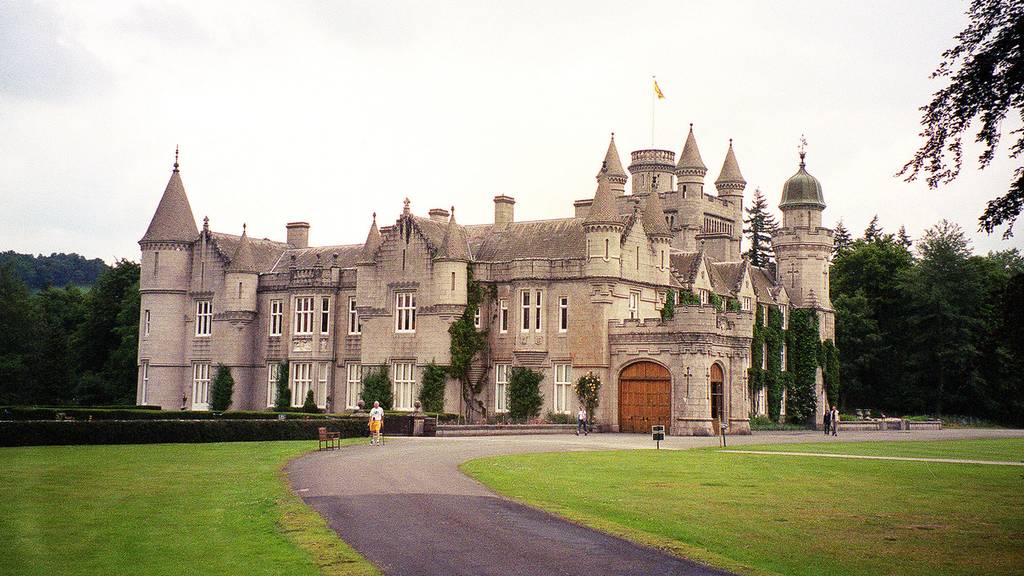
658, 91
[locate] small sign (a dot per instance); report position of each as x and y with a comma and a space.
658, 434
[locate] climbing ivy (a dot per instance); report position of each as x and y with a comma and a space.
828, 359
716, 301
688, 298
803, 345
773, 377
466, 343
668, 310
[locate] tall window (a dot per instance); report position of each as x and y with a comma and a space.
785, 361
354, 385
526, 310
276, 317
273, 372
403, 386
145, 323
302, 381
501, 374
144, 396
453, 281
785, 317
563, 384
746, 303
204, 315
537, 311
764, 356
605, 249
321, 389
353, 318
201, 386
764, 314
634, 304
563, 314
325, 315
405, 312
704, 297
303, 315
503, 315
156, 264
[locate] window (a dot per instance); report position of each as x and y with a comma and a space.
404, 383
606, 249
764, 314
785, 361
476, 318
563, 314
303, 315
405, 312
785, 317
321, 390
704, 296
204, 314
764, 356
634, 304
637, 257
273, 372
325, 315
144, 393
145, 323
563, 383
354, 388
353, 318
302, 381
201, 386
503, 315
276, 317
526, 310
453, 281
501, 374
239, 290
156, 264
537, 311
746, 303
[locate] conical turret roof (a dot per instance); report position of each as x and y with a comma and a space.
654, 216
454, 246
372, 244
173, 220
689, 158
602, 210
730, 169
612, 162
243, 259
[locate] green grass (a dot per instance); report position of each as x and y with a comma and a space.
1003, 449
162, 509
783, 514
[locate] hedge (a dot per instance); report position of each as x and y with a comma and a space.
34, 413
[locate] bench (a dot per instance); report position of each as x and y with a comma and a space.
328, 440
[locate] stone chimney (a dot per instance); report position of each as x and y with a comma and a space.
504, 208
438, 215
298, 234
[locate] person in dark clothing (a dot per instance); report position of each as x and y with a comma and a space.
827, 421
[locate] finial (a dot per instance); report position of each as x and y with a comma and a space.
803, 149
175, 157
453, 211
604, 166
613, 135
691, 126
405, 204
730, 142
374, 217
206, 223
243, 227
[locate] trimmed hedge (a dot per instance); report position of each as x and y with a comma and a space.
33, 413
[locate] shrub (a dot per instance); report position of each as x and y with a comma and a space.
733, 305
524, 396
377, 388
284, 395
587, 389
668, 311
688, 298
716, 301
221, 388
557, 418
309, 405
432, 389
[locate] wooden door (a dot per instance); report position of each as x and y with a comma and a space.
717, 398
645, 398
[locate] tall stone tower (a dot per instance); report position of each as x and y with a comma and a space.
730, 185
652, 169
690, 172
163, 287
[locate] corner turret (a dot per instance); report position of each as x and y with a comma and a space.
603, 228
730, 185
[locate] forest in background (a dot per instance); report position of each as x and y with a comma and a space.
60, 270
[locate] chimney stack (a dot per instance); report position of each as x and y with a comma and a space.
438, 215
298, 234
504, 208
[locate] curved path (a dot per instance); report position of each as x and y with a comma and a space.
408, 509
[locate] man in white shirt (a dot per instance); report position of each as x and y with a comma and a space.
376, 423
581, 422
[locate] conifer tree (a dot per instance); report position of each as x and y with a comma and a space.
873, 233
841, 239
221, 388
902, 239
309, 406
761, 225
284, 394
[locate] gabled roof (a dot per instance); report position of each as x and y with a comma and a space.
265, 253
729, 275
173, 220
730, 169
243, 259
685, 265
557, 239
454, 246
689, 158
764, 285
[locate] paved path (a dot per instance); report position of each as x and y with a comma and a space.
867, 457
408, 509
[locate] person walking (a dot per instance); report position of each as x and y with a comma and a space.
835, 420
376, 423
827, 420
581, 421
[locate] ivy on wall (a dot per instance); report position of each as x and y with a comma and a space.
668, 310
466, 343
804, 345
828, 359
772, 378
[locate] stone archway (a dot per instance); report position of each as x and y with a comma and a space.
645, 397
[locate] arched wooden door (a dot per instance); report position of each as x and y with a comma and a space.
645, 397
717, 385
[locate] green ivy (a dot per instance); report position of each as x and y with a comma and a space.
688, 299
524, 397
716, 301
466, 343
431, 395
773, 378
668, 311
733, 305
828, 359
377, 388
804, 344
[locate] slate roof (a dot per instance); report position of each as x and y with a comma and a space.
764, 285
265, 253
612, 161
730, 169
173, 220
603, 210
557, 239
685, 265
372, 244
243, 259
690, 156
454, 246
654, 216
348, 255
730, 274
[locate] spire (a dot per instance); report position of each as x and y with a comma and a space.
454, 246
173, 220
654, 216
243, 259
602, 210
730, 171
689, 158
175, 157
372, 244
612, 162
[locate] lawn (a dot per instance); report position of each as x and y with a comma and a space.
1003, 449
162, 509
787, 514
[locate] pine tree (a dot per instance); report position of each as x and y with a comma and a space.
841, 239
284, 394
309, 406
377, 388
902, 239
761, 225
221, 388
873, 233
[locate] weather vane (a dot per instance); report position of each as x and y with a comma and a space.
802, 148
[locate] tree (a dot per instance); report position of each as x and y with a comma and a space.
17, 335
309, 405
903, 239
668, 310
873, 233
432, 389
841, 239
524, 397
588, 388
221, 388
986, 81
761, 225
284, 394
60, 311
377, 388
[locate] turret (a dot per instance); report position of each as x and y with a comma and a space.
652, 169
690, 172
241, 277
603, 228
451, 265
656, 227
616, 175
730, 185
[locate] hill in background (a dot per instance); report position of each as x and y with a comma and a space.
57, 270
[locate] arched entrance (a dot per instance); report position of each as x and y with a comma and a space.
645, 397
717, 385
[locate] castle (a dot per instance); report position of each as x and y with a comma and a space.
565, 297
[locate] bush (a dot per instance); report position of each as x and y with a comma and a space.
33, 413
524, 396
556, 418
221, 388
309, 406
688, 299
377, 388
668, 311
766, 423
284, 395
432, 389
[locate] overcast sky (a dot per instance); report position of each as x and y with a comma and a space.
329, 111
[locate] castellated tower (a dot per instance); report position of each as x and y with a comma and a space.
730, 185
690, 172
235, 324
163, 287
652, 169
603, 228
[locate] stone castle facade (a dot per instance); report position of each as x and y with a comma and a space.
566, 297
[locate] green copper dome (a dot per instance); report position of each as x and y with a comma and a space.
802, 189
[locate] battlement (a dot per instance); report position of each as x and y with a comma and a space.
652, 157
688, 319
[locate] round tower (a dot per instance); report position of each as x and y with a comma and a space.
690, 172
603, 228
730, 185
616, 175
652, 169
451, 266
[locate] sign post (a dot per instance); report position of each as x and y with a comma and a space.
724, 428
658, 435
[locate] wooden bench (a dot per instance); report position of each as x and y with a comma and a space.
328, 440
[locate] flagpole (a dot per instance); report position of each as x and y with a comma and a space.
653, 83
